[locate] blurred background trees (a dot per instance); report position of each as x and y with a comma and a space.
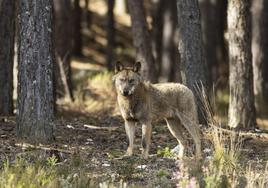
259, 10
142, 39
177, 40
110, 34
63, 48
7, 36
77, 21
214, 18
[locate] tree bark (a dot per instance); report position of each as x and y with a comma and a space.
110, 34
77, 48
7, 35
157, 34
87, 14
241, 101
260, 52
63, 45
142, 40
192, 59
169, 51
35, 117
213, 31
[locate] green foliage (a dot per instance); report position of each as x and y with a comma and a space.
96, 93
162, 173
222, 102
115, 153
165, 152
52, 161
103, 79
26, 175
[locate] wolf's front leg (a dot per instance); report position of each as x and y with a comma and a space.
146, 139
130, 130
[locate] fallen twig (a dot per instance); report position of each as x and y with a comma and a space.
46, 148
101, 128
242, 133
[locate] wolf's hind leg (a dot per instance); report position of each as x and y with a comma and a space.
190, 123
146, 139
176, 130
130, 130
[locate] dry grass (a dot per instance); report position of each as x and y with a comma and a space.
224, 166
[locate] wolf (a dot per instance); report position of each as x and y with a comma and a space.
142, 103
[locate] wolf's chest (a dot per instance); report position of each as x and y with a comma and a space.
130, 110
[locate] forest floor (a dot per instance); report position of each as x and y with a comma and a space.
94, 145
90, 141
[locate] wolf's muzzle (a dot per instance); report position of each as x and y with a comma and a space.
125, 93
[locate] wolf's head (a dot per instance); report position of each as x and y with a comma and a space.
127, 79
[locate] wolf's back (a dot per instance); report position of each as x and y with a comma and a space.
167, 97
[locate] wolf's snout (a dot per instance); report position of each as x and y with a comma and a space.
125, 93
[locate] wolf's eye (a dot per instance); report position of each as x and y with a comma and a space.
122, 79
131, 80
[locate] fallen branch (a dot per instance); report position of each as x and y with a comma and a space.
101, 128
242, 133
30, 146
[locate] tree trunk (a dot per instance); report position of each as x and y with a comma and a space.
169, 54
87, 14
192, 58
142, 40
241, 101
7, 34
211, 16
260, 52
63, 47
110, 34
157, 34
35, 118
77, 49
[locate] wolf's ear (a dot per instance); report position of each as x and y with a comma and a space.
118, 67
137, 66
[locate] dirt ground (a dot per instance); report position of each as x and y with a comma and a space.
99, 141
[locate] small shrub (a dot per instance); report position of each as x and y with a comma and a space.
166, 152
52, 161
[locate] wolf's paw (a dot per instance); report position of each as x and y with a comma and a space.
145, 155
129, 152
